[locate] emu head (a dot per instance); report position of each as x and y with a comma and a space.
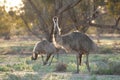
57, 30
55, 19
34, 56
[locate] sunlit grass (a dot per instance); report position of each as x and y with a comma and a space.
16, 43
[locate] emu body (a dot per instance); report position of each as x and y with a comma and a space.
41, 48
78, 43
45, 47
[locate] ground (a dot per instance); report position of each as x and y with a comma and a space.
16, 64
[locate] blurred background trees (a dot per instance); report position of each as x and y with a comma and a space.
35, 17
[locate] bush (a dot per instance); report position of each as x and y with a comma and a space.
61, 67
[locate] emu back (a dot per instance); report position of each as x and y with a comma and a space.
77, 41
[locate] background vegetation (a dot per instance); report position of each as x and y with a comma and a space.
35, 17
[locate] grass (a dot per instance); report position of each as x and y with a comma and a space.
104, 66
59, 76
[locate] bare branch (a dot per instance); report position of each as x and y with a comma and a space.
83, 23
105, 26
28, 28
117, 21
66, 7
42, 22
115, 26
73, 16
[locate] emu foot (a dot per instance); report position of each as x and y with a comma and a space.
89, 70
49, 64
44, 63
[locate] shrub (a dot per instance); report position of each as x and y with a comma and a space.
61, 67
4, 68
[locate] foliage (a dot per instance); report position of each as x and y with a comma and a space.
9, 25
4, 27
114, 7
71, 18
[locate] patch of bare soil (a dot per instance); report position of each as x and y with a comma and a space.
11, 52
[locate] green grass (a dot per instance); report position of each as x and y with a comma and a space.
106, 64
103, 64
4, 68
60, 76
20, 67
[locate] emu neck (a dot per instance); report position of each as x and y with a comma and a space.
57, 40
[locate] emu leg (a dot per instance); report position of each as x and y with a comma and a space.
77, 56
34, 56
80, 59
47, 58
51, 60
57, 56
87, 62
42, 58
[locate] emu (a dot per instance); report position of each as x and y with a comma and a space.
45, 47
77, 42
